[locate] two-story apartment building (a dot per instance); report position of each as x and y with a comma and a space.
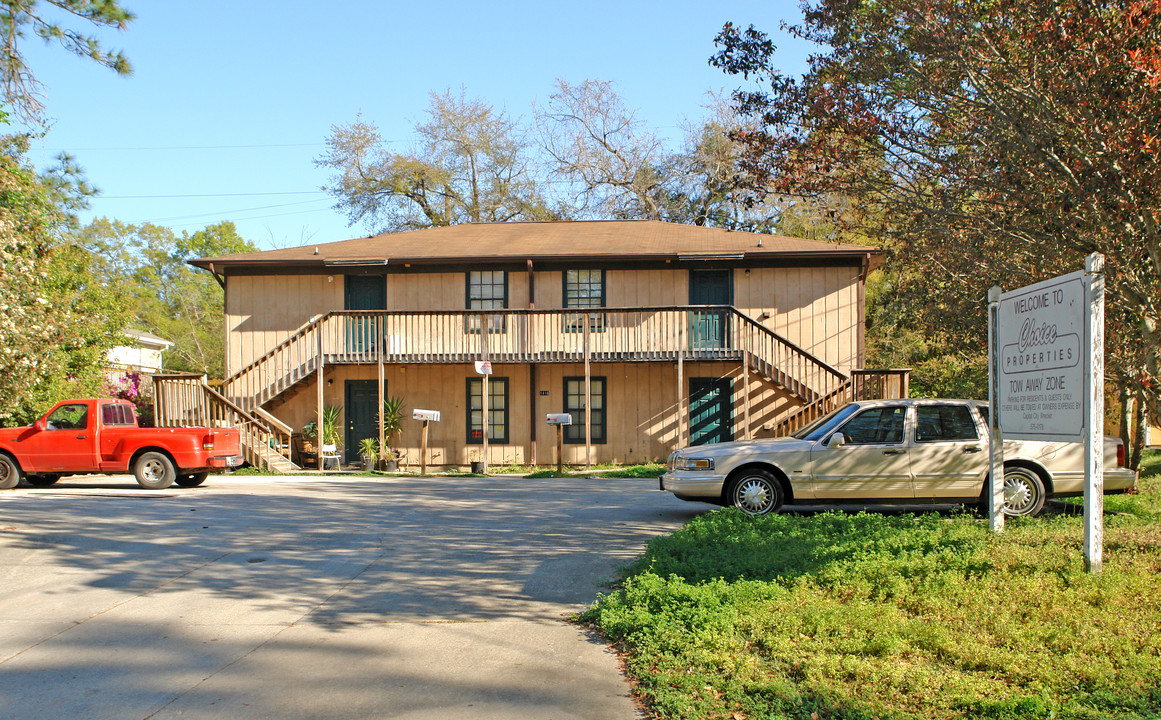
651, 335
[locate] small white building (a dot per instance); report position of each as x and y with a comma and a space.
142, 353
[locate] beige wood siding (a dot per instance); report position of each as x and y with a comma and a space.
814, 308
263, 310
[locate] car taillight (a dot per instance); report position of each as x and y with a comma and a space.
1121, 455
208, 442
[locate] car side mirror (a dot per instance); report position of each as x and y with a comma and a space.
39, 425
836, 441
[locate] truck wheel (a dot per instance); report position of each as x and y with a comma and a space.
154, 471
42, 480
192, 480
9, 473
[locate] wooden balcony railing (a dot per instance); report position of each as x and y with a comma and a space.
689, 333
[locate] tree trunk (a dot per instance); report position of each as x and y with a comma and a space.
1140, 417
1125, 430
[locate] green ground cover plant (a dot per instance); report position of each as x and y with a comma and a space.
928, 615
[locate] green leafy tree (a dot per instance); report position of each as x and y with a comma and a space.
147, 265
56, 326
21, 90
984, 143
470, 164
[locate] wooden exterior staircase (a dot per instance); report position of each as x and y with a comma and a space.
188, 401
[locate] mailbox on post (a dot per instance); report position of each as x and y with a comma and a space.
559, 420
426, 416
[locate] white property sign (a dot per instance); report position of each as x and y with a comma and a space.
1046, 381
1041, 368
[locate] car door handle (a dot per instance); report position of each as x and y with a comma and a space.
972, 449
893, 451
81, 437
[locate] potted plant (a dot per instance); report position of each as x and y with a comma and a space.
328, 443
369, 451
477, 464
392, 417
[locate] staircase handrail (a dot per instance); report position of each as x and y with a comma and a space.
306, 327
755, 325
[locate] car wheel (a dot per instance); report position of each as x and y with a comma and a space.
9, 473
192, 480
1023, 492
154, 471
755, 492
42, 480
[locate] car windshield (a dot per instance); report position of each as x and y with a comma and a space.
821, 427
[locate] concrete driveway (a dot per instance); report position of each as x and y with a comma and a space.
316, 597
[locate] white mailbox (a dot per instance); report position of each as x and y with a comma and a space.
559, 419
425, 415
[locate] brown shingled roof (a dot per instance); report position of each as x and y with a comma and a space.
541, 241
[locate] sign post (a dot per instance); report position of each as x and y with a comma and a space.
1094, 441
1047, 348
996, 446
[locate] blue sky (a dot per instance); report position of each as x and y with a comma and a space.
231, 101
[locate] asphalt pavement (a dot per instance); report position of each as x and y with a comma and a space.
320, 597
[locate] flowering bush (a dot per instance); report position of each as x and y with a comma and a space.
133, 387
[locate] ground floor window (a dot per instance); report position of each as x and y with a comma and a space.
574, 404
497, 410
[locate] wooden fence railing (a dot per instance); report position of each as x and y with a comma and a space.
187, 400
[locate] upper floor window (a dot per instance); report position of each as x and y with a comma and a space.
487, 290
584, 289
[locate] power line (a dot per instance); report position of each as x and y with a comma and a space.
229, 212
206, 195
192, 147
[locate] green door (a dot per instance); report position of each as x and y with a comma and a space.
364, 292
362, 403
708, 329
709, 411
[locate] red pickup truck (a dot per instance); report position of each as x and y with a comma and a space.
78, 437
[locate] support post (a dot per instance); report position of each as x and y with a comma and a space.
382, 394
996, 442
745, 383
532, 413
680, 381
588, 400
487, 329
319, 427
1094, 388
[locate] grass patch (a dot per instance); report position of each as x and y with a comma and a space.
859, 616
651, 470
